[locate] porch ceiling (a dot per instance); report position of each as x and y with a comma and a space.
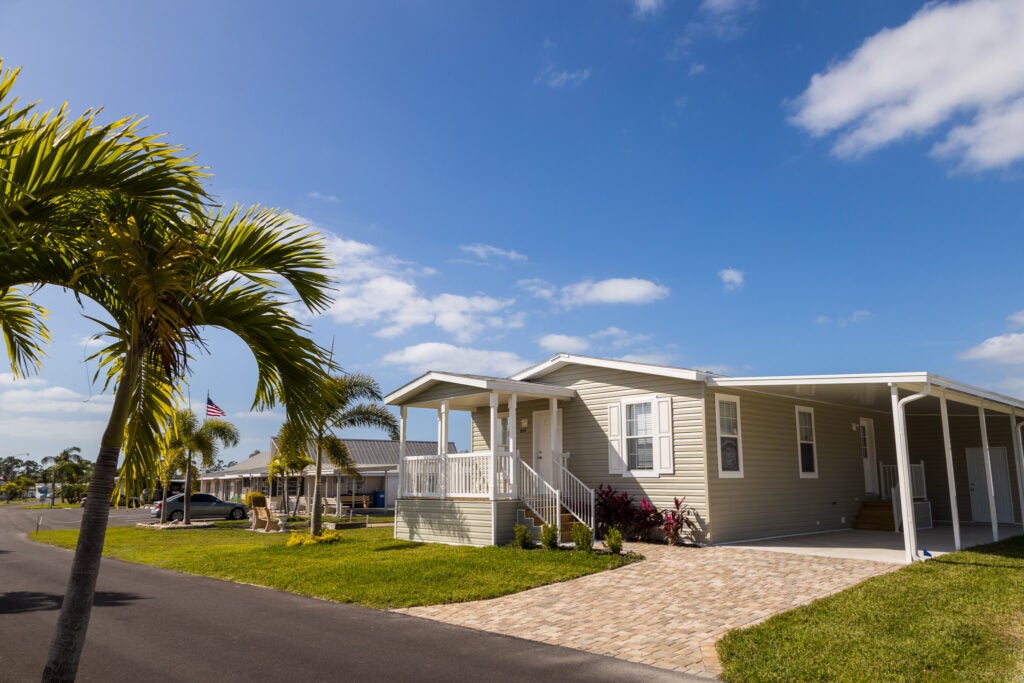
872, 392
467, 392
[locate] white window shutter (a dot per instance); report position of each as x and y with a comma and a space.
614, 439
663, 451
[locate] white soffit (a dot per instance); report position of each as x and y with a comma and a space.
562, 359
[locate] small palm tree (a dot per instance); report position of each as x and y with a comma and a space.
66, 468
190, 438
340, 409
289, 460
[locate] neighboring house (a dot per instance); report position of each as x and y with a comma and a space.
755, 457
376, 461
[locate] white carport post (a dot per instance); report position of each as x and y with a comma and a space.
553, 435
403, 420
492, 470
442, 445
903, 469
1018, 454
988, 473
950, 476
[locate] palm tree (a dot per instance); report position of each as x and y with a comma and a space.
289, 460
191, 438
121, 219
67, 468
339, 410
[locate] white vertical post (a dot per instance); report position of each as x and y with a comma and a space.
556, 471
988, 474
403, 421
1018, 452
443, 446
950, 476
513, 445
903, 469
492, 470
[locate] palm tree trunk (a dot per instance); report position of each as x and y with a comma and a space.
284, 494
187, 500
163, 506
316, 516
73, 622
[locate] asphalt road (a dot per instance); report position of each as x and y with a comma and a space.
153, 624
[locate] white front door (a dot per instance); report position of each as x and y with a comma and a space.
543, 458
979, 487
868, 454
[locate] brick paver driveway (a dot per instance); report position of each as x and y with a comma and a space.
667, 611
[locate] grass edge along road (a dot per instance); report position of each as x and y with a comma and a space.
955, 617
366, 567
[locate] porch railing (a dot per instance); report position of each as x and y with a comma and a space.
457, 475
890, 478
420, 476
577, 497
538, 495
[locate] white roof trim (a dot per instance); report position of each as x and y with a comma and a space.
563, 359
485, 384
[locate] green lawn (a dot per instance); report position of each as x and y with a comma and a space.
368, 567
47, 506
957, 617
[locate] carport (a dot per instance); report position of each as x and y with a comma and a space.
960, 443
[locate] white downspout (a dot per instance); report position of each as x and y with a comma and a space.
988, 473
492, 474
903, 468
442, 446
1018, 451
513, 445
403, 420
950, 477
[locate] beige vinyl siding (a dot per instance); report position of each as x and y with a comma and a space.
481, 427
505, 519
458, 522
772, 499
585, 432
924, 434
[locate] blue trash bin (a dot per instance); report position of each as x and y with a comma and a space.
378, 499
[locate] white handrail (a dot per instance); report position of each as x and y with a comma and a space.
577, 497
538, 495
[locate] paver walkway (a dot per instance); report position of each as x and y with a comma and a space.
667, 611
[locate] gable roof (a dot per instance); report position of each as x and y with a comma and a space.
560, 360
479, 385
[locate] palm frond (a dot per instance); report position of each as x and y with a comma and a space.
368, 415
24, 332
337, 453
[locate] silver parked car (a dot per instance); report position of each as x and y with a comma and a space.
203, 505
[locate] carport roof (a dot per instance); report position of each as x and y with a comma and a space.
470, 391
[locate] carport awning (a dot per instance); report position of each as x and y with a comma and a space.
873, 391
467, 392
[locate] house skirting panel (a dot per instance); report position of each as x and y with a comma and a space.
456, 522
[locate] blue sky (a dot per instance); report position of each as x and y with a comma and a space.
750, 186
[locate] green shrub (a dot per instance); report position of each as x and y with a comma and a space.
255, 499
73, 493
549, 536
523, 537
582, 538
613, 539
303, 539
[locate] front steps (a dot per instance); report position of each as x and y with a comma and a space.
875, 515
533, 523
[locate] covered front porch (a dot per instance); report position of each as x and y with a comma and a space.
476, 497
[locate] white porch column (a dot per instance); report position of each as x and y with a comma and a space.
442, 416
403, 420
1018, 453
553, 436
988, 474
492, 470
513, 446
950, 476
903, 469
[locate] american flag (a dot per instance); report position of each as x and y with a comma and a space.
212, 409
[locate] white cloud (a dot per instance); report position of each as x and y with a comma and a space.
485, 251
718, 19
949, 62
9, 380
376, 288
1014, 386
420, 358
611, 291
620, 338
852, 319
823, 320
1006, 349
1016, 319
721, 7
93, 342
731, 278
696, 69
555, 78
329, 198
564, 343
52, 399
642, 8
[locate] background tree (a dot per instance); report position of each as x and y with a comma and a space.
67, 468
123, 220
288, 461
199, 439
351, 400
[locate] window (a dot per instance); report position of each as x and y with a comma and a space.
640, 436
503, 435
730, 447
805, 442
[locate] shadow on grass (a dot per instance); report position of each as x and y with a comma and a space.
398, 545
1008, 548
18, 602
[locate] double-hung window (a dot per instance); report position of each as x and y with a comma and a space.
503, 440
640, 436
730, 446
807, 450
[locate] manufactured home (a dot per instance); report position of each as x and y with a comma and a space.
755, 457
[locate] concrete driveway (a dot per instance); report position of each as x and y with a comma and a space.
667, 611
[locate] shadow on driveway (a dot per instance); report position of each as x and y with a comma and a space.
17, 602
